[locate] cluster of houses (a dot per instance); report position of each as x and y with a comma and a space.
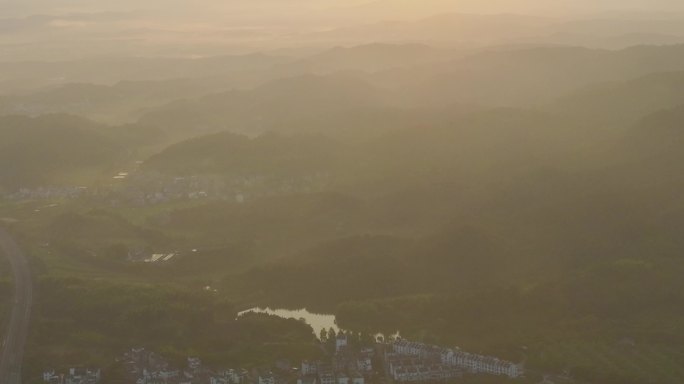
74, 376
403, 368
46, 193
152, 188
404, 362
346, 366
137, 188
159, 258
318, 372
429, 358
147, 367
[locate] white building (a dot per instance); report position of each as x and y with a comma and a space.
481, 364
307, 380
357, 378
266, 378
166, 374
326, 374
364, 364
82, 376
51, 377
455, 358
410, 368
194, 363
309, 367
229, 376
341, 342
409, 348
342, 378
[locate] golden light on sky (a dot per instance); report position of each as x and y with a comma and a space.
203, 26
379, 8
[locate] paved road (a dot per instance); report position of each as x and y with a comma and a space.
15, 339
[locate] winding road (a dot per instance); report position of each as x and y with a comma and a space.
14, 342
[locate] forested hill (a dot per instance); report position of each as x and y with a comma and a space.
232, 154
37, 150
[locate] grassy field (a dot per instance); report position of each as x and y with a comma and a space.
64, 238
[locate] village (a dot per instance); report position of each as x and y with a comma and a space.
138, 188
398, 361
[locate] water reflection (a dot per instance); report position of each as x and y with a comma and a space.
317, 321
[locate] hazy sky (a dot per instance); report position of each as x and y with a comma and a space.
78, 28
269, 8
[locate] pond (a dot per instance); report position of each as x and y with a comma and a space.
317, 321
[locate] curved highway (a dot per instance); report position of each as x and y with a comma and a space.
14, 340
